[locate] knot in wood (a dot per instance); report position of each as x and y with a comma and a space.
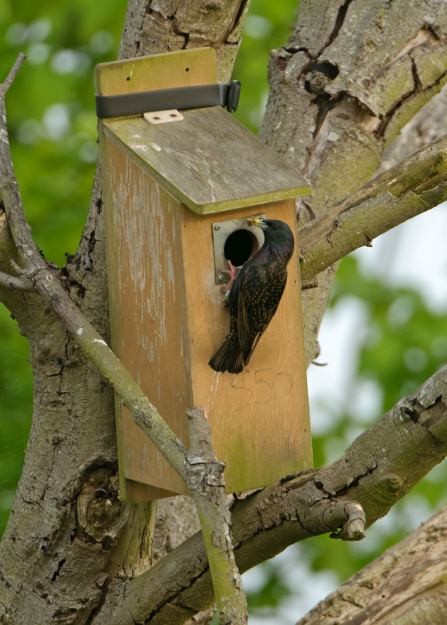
391, 482
101, 514
351, 519
404, 411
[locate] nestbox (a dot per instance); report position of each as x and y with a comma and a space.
176, 199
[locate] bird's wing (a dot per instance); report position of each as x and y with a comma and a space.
256, 307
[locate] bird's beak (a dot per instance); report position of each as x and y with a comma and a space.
257, 221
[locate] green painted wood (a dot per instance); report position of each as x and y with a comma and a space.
208, 161
181, 68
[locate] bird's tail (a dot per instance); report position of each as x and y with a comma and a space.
228, 357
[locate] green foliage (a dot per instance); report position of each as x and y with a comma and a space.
15, 402
405, 342
271, 592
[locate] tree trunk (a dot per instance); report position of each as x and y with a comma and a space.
333, 109
351, 75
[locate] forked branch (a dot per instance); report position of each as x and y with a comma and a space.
415, 185
207, 487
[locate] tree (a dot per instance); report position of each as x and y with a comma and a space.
349, 78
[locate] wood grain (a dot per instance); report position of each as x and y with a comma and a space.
182, 68
209, 161
259, 418
145, 288
147, 303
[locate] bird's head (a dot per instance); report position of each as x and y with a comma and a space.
268, 224
276, 233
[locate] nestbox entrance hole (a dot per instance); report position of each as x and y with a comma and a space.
234, 240
240, 246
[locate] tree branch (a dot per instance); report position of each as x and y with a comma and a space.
412, 187
12, 74
378, 469
19, 284
21, 232
207, 487
406, 584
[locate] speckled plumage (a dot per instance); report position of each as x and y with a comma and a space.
255, 296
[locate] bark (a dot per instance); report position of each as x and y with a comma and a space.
428, 125
206, 484
67, 521
352, 74
156, 26
417, 184
404, 586
378, 469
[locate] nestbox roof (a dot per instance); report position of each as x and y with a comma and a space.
208, 160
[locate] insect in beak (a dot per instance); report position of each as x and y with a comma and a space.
256, 221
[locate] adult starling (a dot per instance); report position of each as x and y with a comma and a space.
255, 295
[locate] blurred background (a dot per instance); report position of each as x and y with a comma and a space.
384, 332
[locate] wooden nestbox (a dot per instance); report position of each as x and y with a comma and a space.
176, 196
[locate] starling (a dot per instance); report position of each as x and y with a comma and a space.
255, 295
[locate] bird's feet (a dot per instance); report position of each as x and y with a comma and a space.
226, 288
232, 272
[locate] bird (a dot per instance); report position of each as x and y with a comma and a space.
254, 295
